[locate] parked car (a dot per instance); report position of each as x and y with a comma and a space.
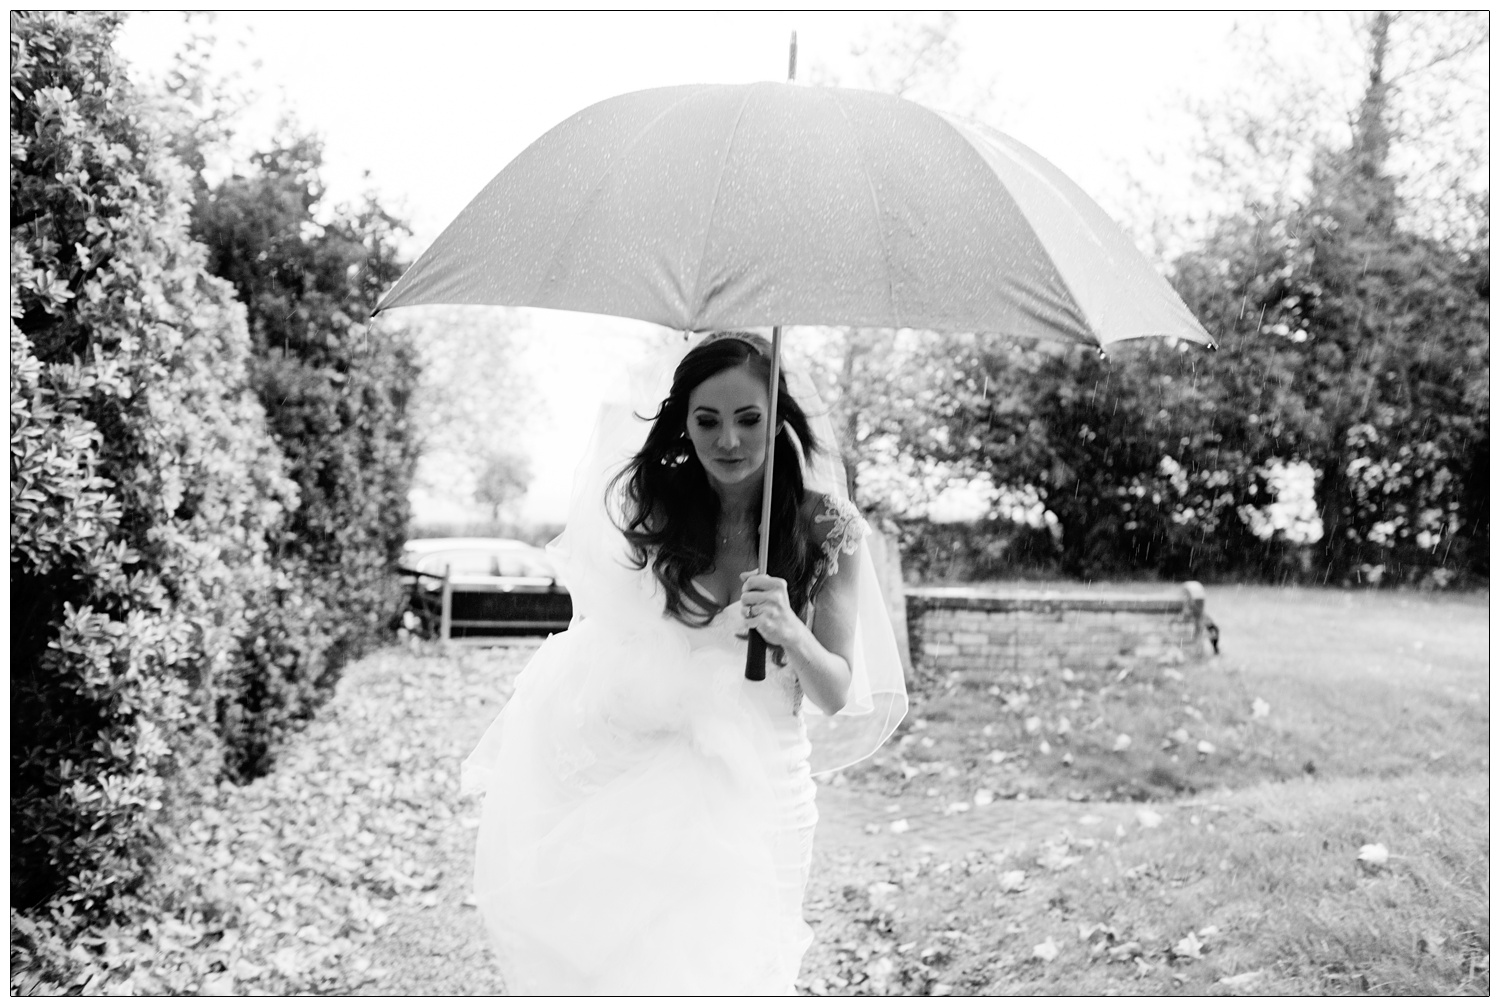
461, 587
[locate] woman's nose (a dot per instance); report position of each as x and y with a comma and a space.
728, 436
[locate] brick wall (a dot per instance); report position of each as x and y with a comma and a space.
961, 630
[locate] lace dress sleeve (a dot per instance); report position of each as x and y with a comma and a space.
841, 530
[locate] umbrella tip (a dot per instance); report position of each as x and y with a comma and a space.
791, 66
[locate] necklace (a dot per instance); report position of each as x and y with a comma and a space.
736, 532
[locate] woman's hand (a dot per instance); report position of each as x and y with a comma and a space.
824, 673
768, 609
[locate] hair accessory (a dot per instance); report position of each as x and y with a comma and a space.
756, 342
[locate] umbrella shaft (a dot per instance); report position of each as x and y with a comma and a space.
755, 654
775, 427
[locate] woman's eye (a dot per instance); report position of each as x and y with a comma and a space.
749, 421
704, 423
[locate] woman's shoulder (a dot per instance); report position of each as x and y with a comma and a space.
835, 524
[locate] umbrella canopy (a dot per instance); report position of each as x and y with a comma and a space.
736, 206
742, 206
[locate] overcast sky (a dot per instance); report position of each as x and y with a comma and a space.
434, 105
427, 108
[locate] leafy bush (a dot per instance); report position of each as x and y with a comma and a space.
958, 552
189, 568
1370, 362
144, 489
336, 391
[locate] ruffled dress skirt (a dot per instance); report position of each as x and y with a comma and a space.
648, 816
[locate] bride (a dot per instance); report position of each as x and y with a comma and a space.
649, 812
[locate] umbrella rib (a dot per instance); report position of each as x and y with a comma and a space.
697, 304
885, 245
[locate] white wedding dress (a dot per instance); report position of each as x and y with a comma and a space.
649, 825
648, 814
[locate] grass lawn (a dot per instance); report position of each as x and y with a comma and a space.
1332, 723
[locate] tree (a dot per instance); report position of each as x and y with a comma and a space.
1404, 324
1260, 142
337, 390
1365, 349
201, 107
1334, 434
503, 480
473, 398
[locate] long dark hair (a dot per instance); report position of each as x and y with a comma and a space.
671, 513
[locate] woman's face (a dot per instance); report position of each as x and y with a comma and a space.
727, 425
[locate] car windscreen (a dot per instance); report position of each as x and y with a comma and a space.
469, 563
459, 564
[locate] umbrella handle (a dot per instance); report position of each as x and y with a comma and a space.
755, 658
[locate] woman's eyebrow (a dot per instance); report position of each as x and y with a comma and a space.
743, 409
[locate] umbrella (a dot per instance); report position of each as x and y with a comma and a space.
703, 207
